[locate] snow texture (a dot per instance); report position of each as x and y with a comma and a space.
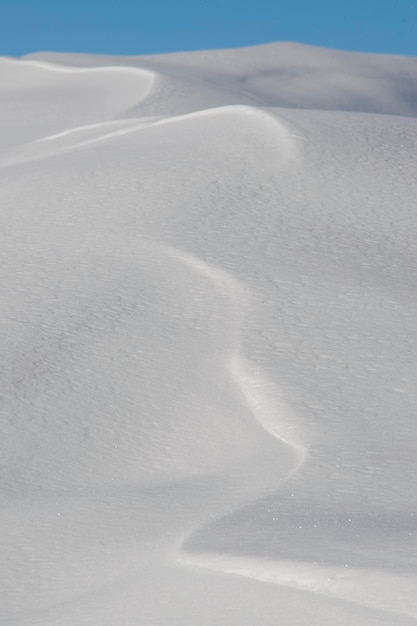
208, 339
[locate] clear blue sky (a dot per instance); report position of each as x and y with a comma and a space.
151, 26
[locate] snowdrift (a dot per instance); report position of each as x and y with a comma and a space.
208, 396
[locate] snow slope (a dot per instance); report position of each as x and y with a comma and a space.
208, 362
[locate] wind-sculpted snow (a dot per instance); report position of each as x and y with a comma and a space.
279, 74
39, 98
208, 388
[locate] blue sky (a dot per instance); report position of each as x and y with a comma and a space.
151, 26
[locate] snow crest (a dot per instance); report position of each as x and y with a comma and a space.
208, 339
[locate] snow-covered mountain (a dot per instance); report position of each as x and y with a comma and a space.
208, 339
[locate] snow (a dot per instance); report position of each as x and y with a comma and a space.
208, 301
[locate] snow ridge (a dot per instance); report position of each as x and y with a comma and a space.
207, 358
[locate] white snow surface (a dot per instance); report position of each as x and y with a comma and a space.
208, 339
